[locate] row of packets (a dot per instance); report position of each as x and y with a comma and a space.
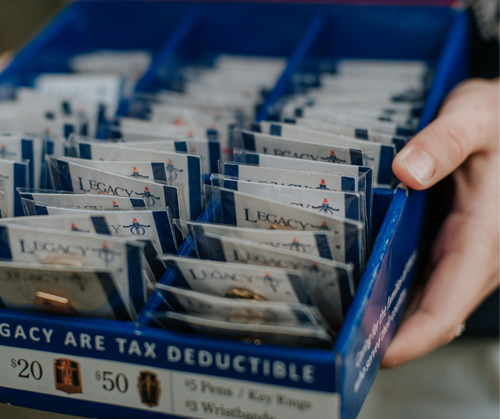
131, 191
335, 236
282, 203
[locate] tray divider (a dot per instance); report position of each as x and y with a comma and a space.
301, 50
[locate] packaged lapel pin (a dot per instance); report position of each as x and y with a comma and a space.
290, 177
40, 246
239, 281
278, 146
73, 177
363, 176
330, 283
82, 291
108, 223
153, 171
13, 175
64, 199
243, 210
314, 243
379, 156
209, 150
343, 204
181, 169
287, 323
358, 133
154, 225
20, 148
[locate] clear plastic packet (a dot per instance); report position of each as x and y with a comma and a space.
330, 283
253, 311
382, 106
363, 175
356, 110
243, 210
210, 151
61, 127
181, 169
40, 246
384, 68
86, 111
152, 171
239, 281
72, 177
250, 333
281, 147
130, 64
154, 225
54, 198
21, 148
313, 243
4, 200
100, 88
82, 291
13, 175
32, 207
379, 156
348, 205
290, 177
107, 223
359, 133
356, 121
132, 129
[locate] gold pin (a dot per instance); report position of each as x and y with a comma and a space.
243, 294
62, 260
54, 303
68, 376
149, 387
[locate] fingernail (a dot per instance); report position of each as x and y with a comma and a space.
421, 165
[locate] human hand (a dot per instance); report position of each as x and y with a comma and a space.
463, 139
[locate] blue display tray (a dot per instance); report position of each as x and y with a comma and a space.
205, 377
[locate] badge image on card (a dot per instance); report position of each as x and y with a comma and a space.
149, 387
68, 376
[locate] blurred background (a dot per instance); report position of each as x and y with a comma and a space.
458, 381
21, 19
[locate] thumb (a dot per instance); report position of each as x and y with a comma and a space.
466, 124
